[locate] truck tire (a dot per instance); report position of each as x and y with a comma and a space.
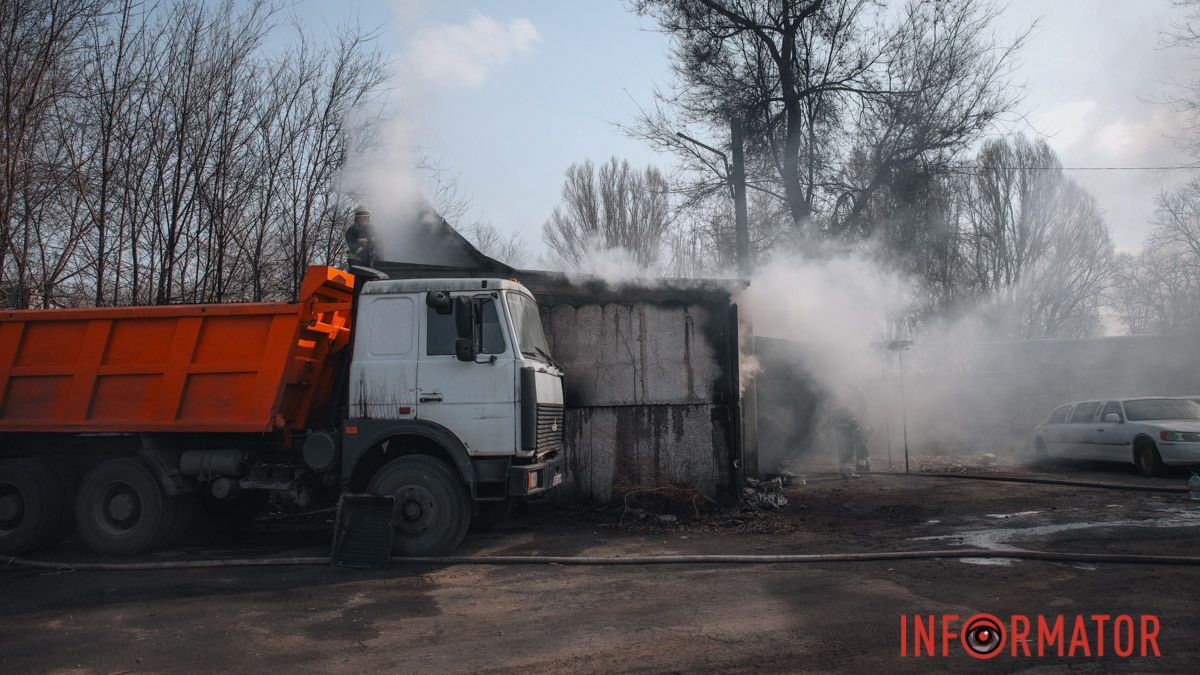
122, 510
433, 510
31, 506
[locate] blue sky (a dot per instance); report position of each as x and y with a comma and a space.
540, 85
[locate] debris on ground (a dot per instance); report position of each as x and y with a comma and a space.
763, 495
667, 503
787, 478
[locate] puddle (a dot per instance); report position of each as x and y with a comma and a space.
988, 561
1018, 514
1002, 538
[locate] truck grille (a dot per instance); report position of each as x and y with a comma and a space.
549, 427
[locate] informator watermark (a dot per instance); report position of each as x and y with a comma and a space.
985, 636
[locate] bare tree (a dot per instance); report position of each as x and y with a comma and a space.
1009, 217
1035, 243
816, 79
1177, 219
1157, 291
164, 153
40, 41
617, 207
510, 249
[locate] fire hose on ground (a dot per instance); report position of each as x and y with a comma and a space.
685, 559
699, 559
1037, 481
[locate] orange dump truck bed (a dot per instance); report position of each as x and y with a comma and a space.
182, 368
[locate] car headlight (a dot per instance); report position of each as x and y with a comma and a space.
1180, 436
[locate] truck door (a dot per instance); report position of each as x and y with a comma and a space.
474, 400
383, 375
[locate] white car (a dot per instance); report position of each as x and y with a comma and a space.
1152, 433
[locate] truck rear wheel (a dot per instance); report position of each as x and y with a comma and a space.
432, 507
122, 510
31, 506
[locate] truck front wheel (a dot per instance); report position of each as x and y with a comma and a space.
122, 510
432, 507
31, 506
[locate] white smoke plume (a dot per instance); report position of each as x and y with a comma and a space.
383, 173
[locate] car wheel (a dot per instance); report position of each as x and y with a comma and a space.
1148, 460
433, 510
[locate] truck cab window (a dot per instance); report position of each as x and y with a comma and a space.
441, 334
493, 335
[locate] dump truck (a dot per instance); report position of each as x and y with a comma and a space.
438, 395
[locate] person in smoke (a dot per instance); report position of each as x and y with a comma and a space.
360, 240
853, 455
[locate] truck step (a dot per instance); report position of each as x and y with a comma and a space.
363, 532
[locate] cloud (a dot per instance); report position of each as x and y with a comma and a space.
1065, 124
464, 55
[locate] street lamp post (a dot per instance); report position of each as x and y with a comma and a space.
900, 346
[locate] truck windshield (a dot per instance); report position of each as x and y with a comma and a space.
1162, 409
528, 325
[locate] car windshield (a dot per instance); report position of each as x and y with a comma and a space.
528, 325
1162, 409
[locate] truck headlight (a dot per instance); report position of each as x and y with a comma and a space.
1180, 436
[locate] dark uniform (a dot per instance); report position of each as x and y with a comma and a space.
852, 443
360, 241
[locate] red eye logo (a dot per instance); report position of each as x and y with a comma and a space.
983, 636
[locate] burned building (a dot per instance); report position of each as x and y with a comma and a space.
652, 389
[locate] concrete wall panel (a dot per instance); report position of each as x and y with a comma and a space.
640, 446
634, 354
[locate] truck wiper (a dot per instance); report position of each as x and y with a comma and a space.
549, 359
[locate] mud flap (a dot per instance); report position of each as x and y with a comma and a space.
363, 532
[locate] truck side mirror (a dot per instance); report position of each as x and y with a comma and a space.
466, 346
464, 320
464, 350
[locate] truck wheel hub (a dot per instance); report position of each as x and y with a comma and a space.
122, 506
12, 507
415, 508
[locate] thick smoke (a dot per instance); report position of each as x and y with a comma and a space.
833, 338
382, 176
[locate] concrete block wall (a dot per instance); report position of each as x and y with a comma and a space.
650, 389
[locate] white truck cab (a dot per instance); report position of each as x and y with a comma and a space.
456, 369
